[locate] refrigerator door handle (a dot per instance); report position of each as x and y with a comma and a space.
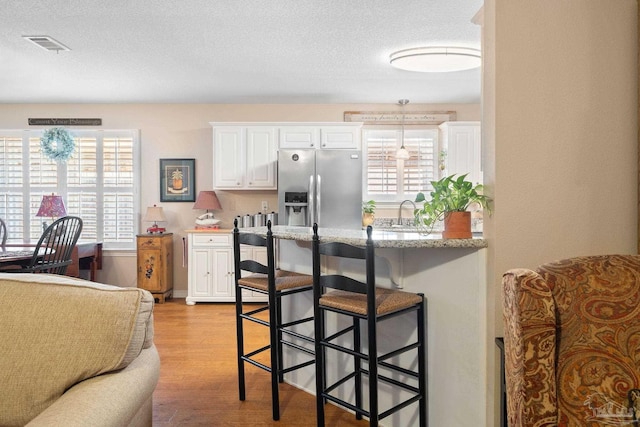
311, 202
318, 197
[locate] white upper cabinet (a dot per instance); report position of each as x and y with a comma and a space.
337, 137
245, 153
244, 157
299, 137
320, 136
461, 141
262, 155
228, 157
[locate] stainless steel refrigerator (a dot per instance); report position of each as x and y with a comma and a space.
320, 186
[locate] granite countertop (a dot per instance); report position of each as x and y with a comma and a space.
381, 238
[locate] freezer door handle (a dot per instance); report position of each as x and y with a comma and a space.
311, 201
318, 197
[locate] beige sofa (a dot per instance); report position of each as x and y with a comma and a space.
75, 353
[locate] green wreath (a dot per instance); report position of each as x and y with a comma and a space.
57, 144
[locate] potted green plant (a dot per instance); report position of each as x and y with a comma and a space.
450, 200
368, 212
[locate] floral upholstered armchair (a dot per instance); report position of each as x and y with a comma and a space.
572, 342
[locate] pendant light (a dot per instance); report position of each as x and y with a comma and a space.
403, 153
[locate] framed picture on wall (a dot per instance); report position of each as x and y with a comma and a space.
177, 180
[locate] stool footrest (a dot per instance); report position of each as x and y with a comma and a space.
297, 335
256, 363
298, 347
400, 406
346, 404
254, 319
298, 366
253, 353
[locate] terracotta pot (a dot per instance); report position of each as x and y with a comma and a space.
457, 225
367, 219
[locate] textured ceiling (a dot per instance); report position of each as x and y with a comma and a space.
232, 51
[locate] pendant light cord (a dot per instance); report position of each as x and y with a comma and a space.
403, 153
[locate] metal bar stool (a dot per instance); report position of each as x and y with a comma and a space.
275, 283
363, 301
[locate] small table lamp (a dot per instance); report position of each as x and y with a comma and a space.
207, 200
52, 206
155, 214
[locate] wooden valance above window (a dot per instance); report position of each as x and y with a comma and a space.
395, 117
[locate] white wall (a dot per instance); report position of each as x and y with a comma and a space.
183, 131
560, 132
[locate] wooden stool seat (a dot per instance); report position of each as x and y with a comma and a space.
284, 280
387, 301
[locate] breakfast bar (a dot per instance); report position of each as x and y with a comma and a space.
451, 275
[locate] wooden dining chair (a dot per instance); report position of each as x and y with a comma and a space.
52, 254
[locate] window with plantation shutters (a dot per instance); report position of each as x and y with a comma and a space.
390, 179
98, 183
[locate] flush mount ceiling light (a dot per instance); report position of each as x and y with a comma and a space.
436, 59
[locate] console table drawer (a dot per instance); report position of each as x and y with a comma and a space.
208, 240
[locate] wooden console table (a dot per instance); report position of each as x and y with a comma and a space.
86, 256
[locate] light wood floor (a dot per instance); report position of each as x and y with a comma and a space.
198, 376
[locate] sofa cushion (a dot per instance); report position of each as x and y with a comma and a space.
57, 331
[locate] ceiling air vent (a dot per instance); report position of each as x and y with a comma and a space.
47, 43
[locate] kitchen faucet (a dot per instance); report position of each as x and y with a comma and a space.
400, 210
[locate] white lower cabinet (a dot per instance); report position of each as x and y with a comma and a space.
211, 270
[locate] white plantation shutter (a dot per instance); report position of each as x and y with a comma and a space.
119, 208
419, 170
82, 189
393, 180
12, 178
381, 171
43, 173
98, 183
